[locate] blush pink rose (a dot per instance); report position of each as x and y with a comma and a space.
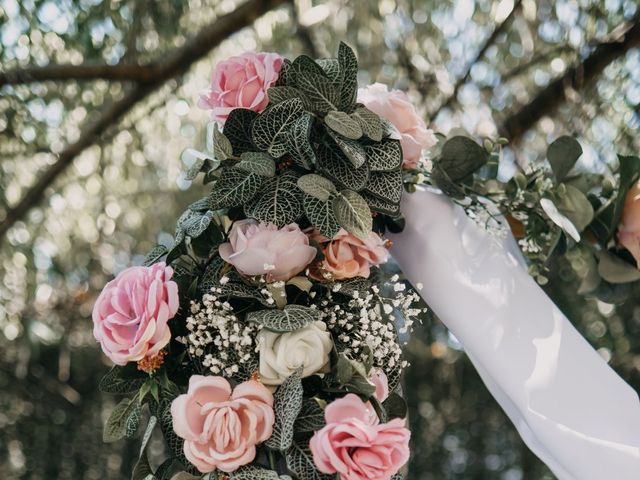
263, 249
629, 230
395, 107
347, 256
241, 82
130, 316
354, 446
220, 426
379, 379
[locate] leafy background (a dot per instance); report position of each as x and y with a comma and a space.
121, 195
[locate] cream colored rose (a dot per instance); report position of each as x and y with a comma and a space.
282, 353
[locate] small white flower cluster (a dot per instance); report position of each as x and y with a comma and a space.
370, 320
222, 343
486, 220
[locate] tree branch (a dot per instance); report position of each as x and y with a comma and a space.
57, 72
490, 41
172, 65
575, 79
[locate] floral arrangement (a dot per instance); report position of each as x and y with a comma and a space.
266, 341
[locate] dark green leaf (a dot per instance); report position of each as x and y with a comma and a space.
385, 185
259, 163
115, 381
287, 405
280, 94
369, 122
320, 92
338, 168
349, 71
331, 68
380, 206
352, 149
235, 187
562, 154
201, 205
615, 270
116, 426
353, 213
279, 201
270, 127
237, 129
384, 156
222, 148
133, 421
311, 416
253, 472
299, 142
316, 186
460, 157
287, 76
155, 255
197, 223
300, 462
321, 216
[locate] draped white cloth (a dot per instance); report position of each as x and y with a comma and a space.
572, 410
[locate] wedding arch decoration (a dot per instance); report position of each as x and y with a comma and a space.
267, 340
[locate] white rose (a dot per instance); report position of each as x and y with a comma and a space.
282, 353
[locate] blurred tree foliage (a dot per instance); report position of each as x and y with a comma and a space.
465, 63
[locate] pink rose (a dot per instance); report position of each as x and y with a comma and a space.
220, 426
629, 230
357, 448
347, 256
395, 107
130, 316
260, 249
241, 82
379, 379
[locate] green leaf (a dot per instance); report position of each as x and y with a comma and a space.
460, 157
292, 317
352, 149
321, 216
270, 127
353, 213
304, 64
142, 470
116, 426
370, 123
241, 290
338, 168
615, 270
253, 472
235, 187
344, 124
133, 421
384, 156
444, 183
349, 69
299, 142
316, 186
175, 443
300, 462
331, 68
259, 163
380, 206
287, 76
237, 129
320, 92
197, 223
155, 255
222, 148
287, 405
311, 416
563, 154
386, 185
201, 205
280, 94
395, 406
116, 382
200, 162
279, 201
574, 205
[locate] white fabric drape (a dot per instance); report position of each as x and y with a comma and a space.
572, 410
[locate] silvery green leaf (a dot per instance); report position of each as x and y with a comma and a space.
615, 270
133, 421
563, 153
300, 462
253, 472
153, 421
116, 426
154, 255
304, 64
287, 75
237, 129
369, 122
353, 213
320, 92
338, 168
317, 186
240, 290
198, 161
184, 217
292, 317
279, 201
344, 124
384, 156
311, 417
556, 217
331, 68
287, 405
113, 382
201, 205
352, 149
197, 224
175, 443
235, 187
574, 205
186, 476
349, 72
222, 148
259, 163
280, 94
299, 142
386, 186
321, 216
460, 157
269, 130
378, 205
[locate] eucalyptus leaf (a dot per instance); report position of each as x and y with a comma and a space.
287, 405
259, 163
292, 317
563, 154
615, 270
574, 205
353, 213
344, 124
552, 212
460, 156
317, 186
